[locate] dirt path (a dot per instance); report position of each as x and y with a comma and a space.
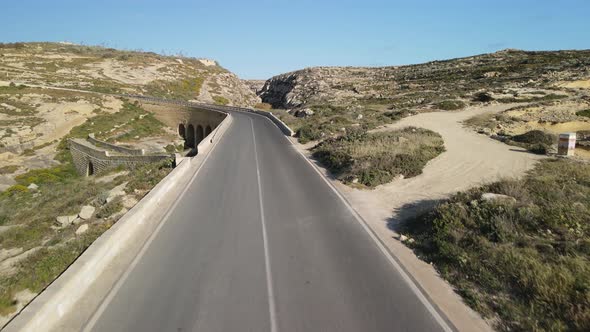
470, 160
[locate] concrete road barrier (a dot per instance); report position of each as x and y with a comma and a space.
282, 126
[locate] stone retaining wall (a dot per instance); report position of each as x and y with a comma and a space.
92, 160
117, 148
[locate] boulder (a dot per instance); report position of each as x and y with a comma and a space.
65, 221
82, 229
304, 113
86, 212
116, 192
33, 187
498, 198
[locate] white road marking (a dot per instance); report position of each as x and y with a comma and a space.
269, 283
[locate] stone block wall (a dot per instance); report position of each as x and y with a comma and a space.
117, 148
92, 160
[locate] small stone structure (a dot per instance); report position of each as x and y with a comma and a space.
567, 144
93, 157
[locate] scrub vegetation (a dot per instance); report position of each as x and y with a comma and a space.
43, 247
522, 261
371, 159
30, 218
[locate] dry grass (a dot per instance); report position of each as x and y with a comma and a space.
374, 159
525, 264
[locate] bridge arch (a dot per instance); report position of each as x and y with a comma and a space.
90, 169
190, 136
207, 131
200, 134
182, 130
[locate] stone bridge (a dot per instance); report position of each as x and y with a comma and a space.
193, 124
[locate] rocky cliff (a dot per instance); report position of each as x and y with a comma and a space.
425, 85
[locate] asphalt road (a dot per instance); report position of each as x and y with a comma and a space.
260, 242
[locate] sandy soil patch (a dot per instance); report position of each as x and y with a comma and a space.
582, 153
112, 104
557, 128
124, 73
585, 84
61, 118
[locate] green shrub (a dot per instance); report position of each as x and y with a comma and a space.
61, 173
539, 148
308, 133
220, 100
263, 106
535, 137
185, 89
110, 208
536, 141
146, 177
376, 158
516, 99
528, 262
585, 113
482, 97
14, 190
450, 105
398, 114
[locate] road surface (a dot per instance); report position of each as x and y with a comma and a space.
259, 242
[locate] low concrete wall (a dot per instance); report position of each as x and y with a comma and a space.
84, 153
282, 126
117, 148
124, 239
205, 144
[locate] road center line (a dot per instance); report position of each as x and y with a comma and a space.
269, 283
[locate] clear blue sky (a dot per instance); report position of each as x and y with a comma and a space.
258, 39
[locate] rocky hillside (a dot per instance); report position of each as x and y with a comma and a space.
40, 101
427, 85
549, 91
108, 70
255, 85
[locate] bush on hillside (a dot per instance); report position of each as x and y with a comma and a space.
482, 97
450, 105
527, 262
372, 159
535, 137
